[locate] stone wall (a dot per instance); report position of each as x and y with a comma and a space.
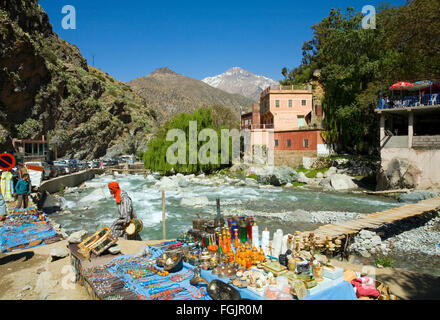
426, 142
292, 158
71, 180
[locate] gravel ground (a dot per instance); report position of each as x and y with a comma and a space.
424, 239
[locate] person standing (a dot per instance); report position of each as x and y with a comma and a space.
3, 212
7, 186
126, 212
23, 190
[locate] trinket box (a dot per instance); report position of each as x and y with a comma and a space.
275, 267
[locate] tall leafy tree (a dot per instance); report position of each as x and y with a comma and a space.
355, 63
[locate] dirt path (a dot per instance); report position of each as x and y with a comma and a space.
28, 275
404, 284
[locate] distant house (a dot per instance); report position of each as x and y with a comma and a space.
286, 119
32, 150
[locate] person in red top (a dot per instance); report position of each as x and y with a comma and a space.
126, 212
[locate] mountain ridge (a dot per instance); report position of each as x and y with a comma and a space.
237, 80
170, 93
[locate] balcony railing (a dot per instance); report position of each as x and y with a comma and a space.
286, 88
411, 101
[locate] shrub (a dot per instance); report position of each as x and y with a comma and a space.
386, 262
29, 128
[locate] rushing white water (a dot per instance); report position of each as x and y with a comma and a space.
92, 205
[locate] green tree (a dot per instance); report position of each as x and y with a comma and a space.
155, 158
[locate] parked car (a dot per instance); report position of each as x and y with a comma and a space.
82, 165
72, 165
63, 167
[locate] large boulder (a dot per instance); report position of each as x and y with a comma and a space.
342, 182
302, 178
167, 184
399, 174
331, 171
77, 237
59, 253
276, 176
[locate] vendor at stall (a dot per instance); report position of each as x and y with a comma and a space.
126, 212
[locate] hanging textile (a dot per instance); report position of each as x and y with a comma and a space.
7, 186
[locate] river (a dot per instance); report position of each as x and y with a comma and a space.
93, 206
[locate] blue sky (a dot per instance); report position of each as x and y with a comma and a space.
132, 38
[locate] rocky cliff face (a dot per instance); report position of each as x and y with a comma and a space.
169, 93
47, 88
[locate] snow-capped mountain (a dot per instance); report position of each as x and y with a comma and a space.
238, 80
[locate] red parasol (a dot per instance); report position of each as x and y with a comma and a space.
401, 86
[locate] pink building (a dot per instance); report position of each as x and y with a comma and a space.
285, 108
284, 116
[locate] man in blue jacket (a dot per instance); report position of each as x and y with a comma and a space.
23, 190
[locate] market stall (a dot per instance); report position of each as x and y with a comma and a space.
23, 231
213, 261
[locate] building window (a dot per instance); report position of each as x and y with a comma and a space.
306, 143
276, 143
277, 103
300, 121
289, 142
290, 103
304, 102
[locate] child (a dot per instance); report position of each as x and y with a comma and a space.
23, 190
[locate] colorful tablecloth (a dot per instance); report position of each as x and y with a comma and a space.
24, 232
147, 285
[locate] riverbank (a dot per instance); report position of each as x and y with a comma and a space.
22, 274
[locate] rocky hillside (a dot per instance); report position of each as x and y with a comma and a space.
169, 93
240, 81
47, 88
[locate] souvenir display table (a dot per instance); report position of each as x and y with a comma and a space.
340, 290
130, 277
21, 231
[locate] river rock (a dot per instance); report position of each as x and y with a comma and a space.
114, 250
417, 196
342, 182
59, 253
277, 176
331, 171
241, 183
365, 234
167, 184
320, 175
364, 253
376, 241
288, 185
77, 237
201, 201
251, 182
183, 183
302, 178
